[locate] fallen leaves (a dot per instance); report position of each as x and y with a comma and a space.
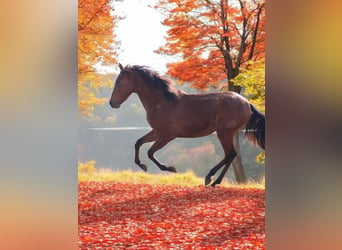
143, 216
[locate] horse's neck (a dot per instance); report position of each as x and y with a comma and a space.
149, 98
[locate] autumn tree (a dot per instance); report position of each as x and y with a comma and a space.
252, 78
96, 48
213, 40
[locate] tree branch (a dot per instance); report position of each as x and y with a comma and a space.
251, 52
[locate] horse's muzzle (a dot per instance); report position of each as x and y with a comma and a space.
114, 105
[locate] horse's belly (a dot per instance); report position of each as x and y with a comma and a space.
195, 131
195, 134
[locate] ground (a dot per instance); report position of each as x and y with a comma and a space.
117, 215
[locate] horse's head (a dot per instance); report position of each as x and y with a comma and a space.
124, 86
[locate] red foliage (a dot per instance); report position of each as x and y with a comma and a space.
212, 39
142, 216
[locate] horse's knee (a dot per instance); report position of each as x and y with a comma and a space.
138, 143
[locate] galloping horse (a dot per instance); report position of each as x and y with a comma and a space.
172, 113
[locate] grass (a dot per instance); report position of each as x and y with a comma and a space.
188, 179
128, 176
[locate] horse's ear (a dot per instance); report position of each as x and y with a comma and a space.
120, 66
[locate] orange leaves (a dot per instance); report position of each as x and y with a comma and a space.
95, 33
201, 72
96, 45
212, 38
142, 216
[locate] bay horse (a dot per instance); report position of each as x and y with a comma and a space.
173, 113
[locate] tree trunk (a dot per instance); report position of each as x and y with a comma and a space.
232, 72
239, 172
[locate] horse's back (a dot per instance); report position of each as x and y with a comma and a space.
228, 101
201, 114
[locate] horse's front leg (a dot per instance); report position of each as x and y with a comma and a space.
149, 137
160, 142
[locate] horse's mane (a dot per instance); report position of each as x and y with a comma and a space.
156, 81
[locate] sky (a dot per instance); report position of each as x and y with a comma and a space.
140, 33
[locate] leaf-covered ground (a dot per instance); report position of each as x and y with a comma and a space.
144, 216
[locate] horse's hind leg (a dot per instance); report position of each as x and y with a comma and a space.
214, 170
149, 137
230, 157
226, 140
228, 146
160, 142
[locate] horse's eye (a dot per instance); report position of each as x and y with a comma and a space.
117, 82
119, 79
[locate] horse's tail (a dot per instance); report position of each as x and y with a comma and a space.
255, 128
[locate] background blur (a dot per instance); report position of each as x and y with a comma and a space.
38, 155
38, 145
303, 172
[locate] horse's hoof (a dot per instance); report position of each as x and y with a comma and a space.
213, 184
172, 169
207, 180
143, 167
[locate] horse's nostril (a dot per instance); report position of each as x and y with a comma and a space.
114, 104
